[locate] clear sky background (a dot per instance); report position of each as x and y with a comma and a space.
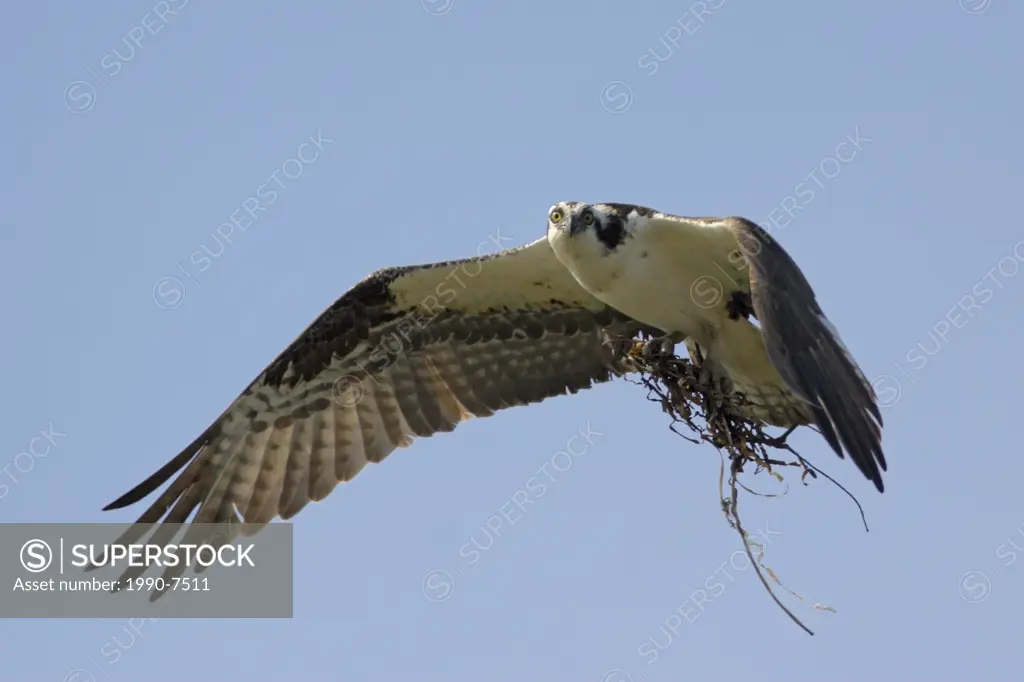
448, 122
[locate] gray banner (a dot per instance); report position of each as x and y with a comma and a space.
120, 570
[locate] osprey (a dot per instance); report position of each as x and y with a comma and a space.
406, 354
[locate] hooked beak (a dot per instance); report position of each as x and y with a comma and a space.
576, 225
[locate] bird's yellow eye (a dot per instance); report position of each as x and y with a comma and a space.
588, 219
556, 216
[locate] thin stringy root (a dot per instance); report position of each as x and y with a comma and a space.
710, 417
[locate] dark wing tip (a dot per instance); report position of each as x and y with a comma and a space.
125, 500
841, 408
808, 354
850, 419
868, 460
870, 471
160, 476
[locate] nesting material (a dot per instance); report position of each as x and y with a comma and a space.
708, 415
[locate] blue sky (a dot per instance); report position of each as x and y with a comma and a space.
135, 130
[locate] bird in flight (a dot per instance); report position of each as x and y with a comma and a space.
408, 353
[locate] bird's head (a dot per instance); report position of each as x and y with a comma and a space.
577, 228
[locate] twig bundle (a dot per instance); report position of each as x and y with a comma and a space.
712, 417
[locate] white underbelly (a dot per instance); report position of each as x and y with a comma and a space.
690, 298
680, 279
673, 293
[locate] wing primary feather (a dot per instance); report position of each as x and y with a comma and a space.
521, 330
807, 352
161, 475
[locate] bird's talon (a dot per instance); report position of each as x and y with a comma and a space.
657, 348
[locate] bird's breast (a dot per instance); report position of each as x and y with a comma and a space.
674, 289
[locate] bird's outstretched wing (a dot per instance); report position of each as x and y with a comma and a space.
806, 350
408, 352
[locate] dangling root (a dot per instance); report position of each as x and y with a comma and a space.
687, 396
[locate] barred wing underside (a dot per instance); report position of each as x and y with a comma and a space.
406, 353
